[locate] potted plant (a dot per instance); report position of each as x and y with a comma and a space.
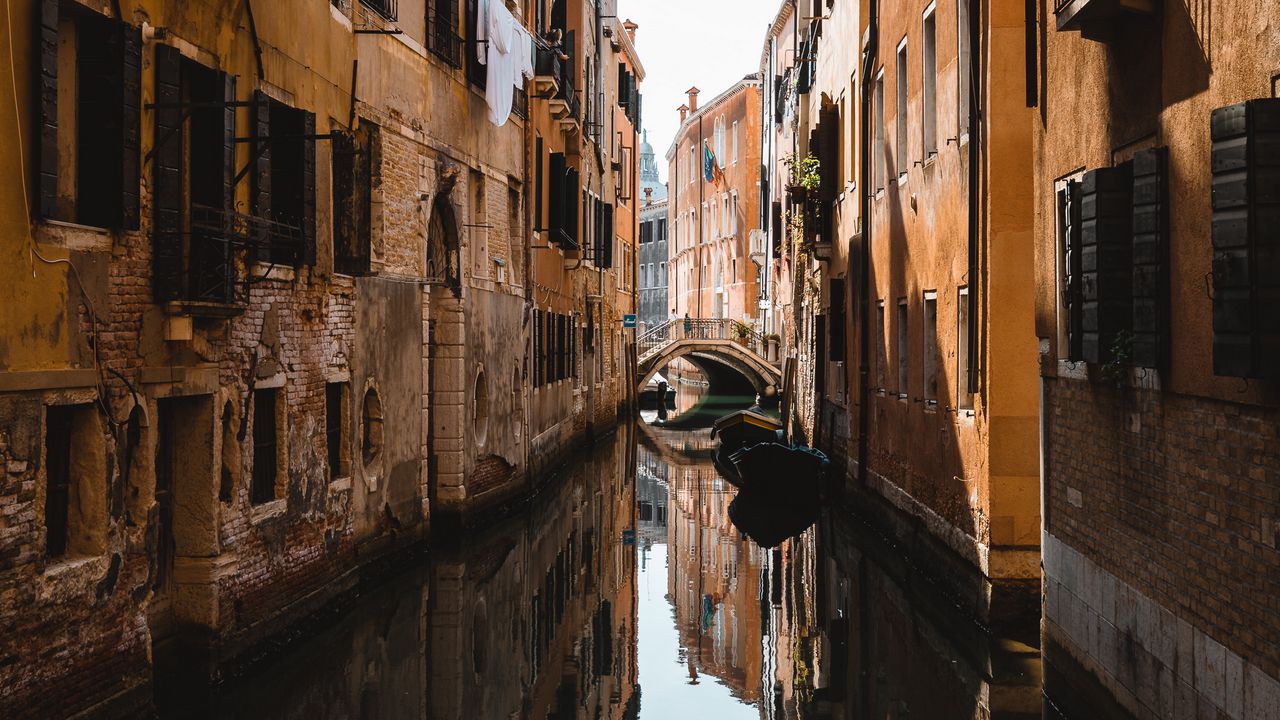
741, 331
806, 178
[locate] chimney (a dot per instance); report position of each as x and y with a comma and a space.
693, 99
631, 28
684, 112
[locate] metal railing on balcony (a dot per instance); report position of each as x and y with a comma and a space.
444, 40
386, 8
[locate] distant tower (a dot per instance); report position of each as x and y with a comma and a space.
649, 179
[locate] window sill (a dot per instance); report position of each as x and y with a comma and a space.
272, 271
71, 236
268, 510
64, 567
902, 398
930, 160
903, 178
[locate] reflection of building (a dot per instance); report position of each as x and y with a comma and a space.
713, 181
713, 581
651, 496
540, 612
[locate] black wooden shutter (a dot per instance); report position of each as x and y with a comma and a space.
167, 171
309, 190
556, 201
606, 239
828, 157
1106, 258
836, 313
48, 193
1246, 253
260, 185
538, 184
1073, 301
97, 145
229, 141
131, 127
1150, 258
343, 187
572, 197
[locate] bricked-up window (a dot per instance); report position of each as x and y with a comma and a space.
267, 409
355, 159
1246, 284
903, 339
90, 86
930, 355
837, 318
283, 187
193, 165
963, 362
75, 471
336, 424
372, 430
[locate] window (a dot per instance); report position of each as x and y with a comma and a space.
900, 158
442, 31
735, 142
662, 274
719, 142
836, 321
929, 85
964, 396
266, 447
733, 215
385, 8
283, 190
964, 69
693, 163
903, 338
882, 347
1066, 225
335, 427
477, 73
353, 169
880, 148
90, 86
725, 221
931, 348
480, 409
75, 510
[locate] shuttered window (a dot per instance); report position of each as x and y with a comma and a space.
1106, 262
284, 182
265, 445
89, 117
1150, 258
353, 166
1246, 252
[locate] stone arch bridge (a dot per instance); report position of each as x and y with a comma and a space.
725, 341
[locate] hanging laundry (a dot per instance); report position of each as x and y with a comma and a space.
509, 59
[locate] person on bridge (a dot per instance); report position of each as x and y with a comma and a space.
688, 324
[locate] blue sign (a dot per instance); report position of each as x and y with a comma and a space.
629, 322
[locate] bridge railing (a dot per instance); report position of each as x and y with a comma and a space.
660, 336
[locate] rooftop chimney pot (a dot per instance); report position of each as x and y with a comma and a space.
684, 112
693, 99
631, 28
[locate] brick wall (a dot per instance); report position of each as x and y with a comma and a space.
1173, 502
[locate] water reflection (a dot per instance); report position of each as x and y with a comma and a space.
627, 591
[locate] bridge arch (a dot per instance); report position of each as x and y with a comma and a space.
760, 372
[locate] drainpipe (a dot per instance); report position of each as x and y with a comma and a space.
864, 311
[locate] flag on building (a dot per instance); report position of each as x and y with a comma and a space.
710, 168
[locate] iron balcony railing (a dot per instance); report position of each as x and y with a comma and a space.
444, 39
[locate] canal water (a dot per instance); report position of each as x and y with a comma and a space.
626, 591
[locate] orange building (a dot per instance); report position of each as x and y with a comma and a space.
714, 205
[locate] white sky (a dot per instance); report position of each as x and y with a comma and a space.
708, 43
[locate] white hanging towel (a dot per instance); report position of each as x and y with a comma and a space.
482, 31
509, 61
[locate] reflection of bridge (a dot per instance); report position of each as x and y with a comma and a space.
725, 341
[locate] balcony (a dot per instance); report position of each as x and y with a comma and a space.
1082, 14
444, 40
548, 72
553, 81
